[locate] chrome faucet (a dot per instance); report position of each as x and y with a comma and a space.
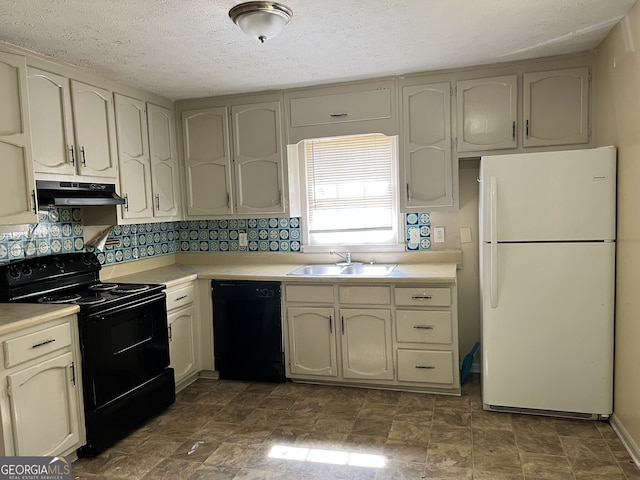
346, 256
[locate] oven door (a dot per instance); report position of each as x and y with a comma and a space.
123, 347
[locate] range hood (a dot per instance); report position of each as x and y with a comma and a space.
77, 194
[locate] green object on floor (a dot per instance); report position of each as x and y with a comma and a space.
467, 362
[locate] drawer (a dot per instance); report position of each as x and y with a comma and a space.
341, 107
33, 345
309, 293
180, 296
424, 326
427, 297
426, 366
365, 295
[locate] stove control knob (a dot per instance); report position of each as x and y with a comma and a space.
14, 272
27, 270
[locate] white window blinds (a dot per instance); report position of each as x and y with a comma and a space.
350, 183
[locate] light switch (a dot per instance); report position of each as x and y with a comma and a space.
438, 235
414, 236
242, 239
465, 234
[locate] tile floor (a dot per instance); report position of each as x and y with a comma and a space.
226, 430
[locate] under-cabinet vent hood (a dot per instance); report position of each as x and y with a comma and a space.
77, 194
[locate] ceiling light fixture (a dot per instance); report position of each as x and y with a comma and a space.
261, 20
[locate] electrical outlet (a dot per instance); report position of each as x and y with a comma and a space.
438, 235
242, 239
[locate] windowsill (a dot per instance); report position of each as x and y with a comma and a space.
352, 248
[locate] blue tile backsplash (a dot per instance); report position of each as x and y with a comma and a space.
60, 230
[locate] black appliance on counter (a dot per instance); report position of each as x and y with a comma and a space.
247, 331
123, 340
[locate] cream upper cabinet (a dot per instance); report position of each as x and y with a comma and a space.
556, 107
52, 139
133, 155
165, 178
147, 160
258, 158
486, 113
425, 167
94, 128
17, 186
207, 162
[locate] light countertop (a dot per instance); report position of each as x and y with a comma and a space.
16, 316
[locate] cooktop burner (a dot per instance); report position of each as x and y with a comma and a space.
132, 288
71, 298
90, 300
103, 287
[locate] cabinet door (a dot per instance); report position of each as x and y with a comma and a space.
366, 344
312, 341
17, 187
426, 146
35, 393
133, 154
207, 162
51, 123
164, 162
556, 107
94, 128
486, 113
258, 158
181, 342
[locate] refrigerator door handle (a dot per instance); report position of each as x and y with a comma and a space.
493, 252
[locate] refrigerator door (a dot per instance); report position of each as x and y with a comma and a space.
549, 196
548, 343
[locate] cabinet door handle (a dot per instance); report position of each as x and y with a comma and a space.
72, 152
170, 332
330, 324
73, 373
513, 130
157, 201
426, 367
342, 321
46, 342
35, 203
228, 200
423, 327
408, 193
421, 297
126, 202
338, 115
84, 156
527, 128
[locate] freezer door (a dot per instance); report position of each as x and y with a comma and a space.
549, 196
548, 343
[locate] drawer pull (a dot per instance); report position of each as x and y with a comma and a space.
423, 327
338, 115
422, 297
426, 367
51, 340
182, 297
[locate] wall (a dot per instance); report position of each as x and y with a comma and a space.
618, 114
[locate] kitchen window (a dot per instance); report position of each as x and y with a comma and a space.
350, 191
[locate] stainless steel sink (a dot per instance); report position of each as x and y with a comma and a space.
340, 270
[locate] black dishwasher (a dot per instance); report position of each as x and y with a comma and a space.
247, 330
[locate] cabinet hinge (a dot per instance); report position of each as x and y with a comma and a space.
589, 132
450, 91
73, 373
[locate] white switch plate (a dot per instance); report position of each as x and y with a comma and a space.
414, 235
465, 234
438, 235
242, 239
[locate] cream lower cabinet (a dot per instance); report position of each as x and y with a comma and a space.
387, 336
40, 390
181, 322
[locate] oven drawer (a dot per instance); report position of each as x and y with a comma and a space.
24, 348
180, 296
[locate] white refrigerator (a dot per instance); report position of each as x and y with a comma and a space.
547, 258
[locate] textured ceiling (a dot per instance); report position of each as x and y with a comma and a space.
190, 48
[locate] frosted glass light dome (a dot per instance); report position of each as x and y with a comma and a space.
261, 20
